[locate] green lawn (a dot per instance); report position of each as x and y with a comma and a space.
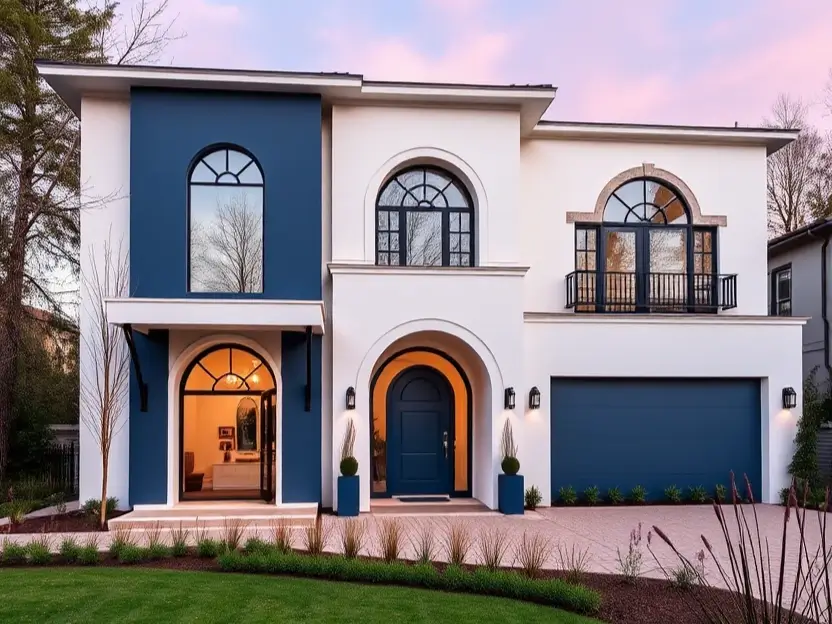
145, 595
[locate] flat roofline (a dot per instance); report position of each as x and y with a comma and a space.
71, 81
772, 138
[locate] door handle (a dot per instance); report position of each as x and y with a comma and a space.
445, 443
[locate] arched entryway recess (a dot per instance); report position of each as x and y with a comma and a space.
434, 390
224, 422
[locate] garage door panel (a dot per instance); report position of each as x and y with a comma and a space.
654, 433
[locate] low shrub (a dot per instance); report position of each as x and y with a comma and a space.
132, 553
631, 562
16, 510
13, 553
568, 495
423, 541
683, 577
592, 495
179, 541
533, 498
506, 584
638, 495
673, 494
33, 488
122, 538
720, 493
157, 551
352, 532
615, 496
233, 531
698, 494
88, 553
256, 545
493, 545
573, 561
316, 536
39, 550
92, 507
391, 534
207, 548
70, 550
281, 534
531, 553
458, 541
58, 501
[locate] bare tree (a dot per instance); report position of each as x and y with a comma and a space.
105, 382
228, 249
423, 238
141, 36
792, 171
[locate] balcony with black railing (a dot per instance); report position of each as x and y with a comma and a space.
637, 292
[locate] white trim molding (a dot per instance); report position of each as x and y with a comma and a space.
341, 268
216, 314
661, 319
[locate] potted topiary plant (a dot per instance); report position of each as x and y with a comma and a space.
348, 487
510, 489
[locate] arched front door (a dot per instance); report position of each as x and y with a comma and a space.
420, 439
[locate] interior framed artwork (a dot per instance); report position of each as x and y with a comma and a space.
226, 433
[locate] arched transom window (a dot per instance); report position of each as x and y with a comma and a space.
225, 211
425, 217
646, 255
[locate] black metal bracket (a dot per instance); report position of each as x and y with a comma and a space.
134, 356
308, 368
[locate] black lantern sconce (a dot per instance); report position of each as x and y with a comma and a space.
789, 398
350, 398
510, 399
534, 398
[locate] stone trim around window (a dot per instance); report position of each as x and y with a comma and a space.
650, 171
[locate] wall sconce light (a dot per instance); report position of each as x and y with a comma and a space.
534, 398
510, 400
789, 398
350, 398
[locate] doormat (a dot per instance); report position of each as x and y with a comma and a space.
425, 499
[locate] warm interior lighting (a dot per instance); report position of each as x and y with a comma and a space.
231, 379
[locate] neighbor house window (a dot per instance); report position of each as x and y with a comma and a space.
646, 254
781, 291
225, 211
424, 217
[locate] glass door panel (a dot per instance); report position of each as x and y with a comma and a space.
268, 412
667, 287
620, 278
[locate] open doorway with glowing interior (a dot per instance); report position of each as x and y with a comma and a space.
227, 426
421, 426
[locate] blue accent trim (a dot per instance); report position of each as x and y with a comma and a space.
149, 430
301, 433
348, 495
420, 402
655, 433
510, 494
169, 129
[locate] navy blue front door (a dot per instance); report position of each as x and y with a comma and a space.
419, 436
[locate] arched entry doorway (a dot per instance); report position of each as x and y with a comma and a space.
227, 411
421, 426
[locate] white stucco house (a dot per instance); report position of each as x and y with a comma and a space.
428, 261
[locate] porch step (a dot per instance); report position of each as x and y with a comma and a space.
214, 517
452, 507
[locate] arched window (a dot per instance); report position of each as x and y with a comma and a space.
225, 214
647, 253
425, 217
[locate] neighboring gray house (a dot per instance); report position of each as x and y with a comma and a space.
799, 285
799, 270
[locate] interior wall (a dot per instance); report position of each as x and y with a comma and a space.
437, 362
203, 416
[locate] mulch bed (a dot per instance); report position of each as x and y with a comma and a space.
647, 601
71, 522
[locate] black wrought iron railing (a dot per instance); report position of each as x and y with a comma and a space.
603, 291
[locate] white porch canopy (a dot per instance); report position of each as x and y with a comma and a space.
143, 314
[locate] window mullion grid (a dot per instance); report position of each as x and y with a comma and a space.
446, 237
402, 213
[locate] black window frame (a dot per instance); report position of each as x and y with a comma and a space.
384, 233
775, 302
190, 183
701, 286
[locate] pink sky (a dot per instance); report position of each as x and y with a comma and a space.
663, 61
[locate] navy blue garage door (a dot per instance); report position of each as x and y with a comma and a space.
655, 433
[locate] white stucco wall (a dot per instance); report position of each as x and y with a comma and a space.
369, 143
559, 176
105, 184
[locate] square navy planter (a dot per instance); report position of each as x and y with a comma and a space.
510, 494
348, 496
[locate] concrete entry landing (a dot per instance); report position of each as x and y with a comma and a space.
216, 514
